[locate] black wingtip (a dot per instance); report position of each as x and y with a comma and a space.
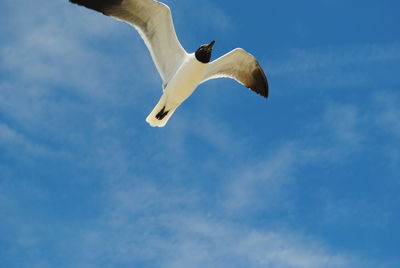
98, 5
266, 95
260, 85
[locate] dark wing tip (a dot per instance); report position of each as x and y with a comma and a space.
259, 83
98, 5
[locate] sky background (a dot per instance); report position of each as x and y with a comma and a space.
306, 179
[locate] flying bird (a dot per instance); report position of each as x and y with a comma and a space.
181, 72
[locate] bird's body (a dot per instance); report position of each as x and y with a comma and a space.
181, 72
189, 75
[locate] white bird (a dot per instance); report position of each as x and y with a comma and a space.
180, 71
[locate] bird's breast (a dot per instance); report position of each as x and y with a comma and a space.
185, 81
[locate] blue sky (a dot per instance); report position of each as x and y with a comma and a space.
308, 178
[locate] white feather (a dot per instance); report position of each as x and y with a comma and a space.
180, 87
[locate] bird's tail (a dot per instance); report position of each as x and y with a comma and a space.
160, 114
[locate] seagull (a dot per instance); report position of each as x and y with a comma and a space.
181, 72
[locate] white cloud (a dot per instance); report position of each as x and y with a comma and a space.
260, 185
186, 239
150, 222
14, 143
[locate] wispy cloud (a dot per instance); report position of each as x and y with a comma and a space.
155, 232
13, 143
260, 185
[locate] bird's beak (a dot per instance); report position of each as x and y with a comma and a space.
210, 46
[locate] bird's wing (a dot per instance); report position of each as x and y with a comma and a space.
241, 66
153, 21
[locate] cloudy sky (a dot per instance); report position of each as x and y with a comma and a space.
306, 179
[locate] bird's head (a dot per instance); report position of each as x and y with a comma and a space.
203, 53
